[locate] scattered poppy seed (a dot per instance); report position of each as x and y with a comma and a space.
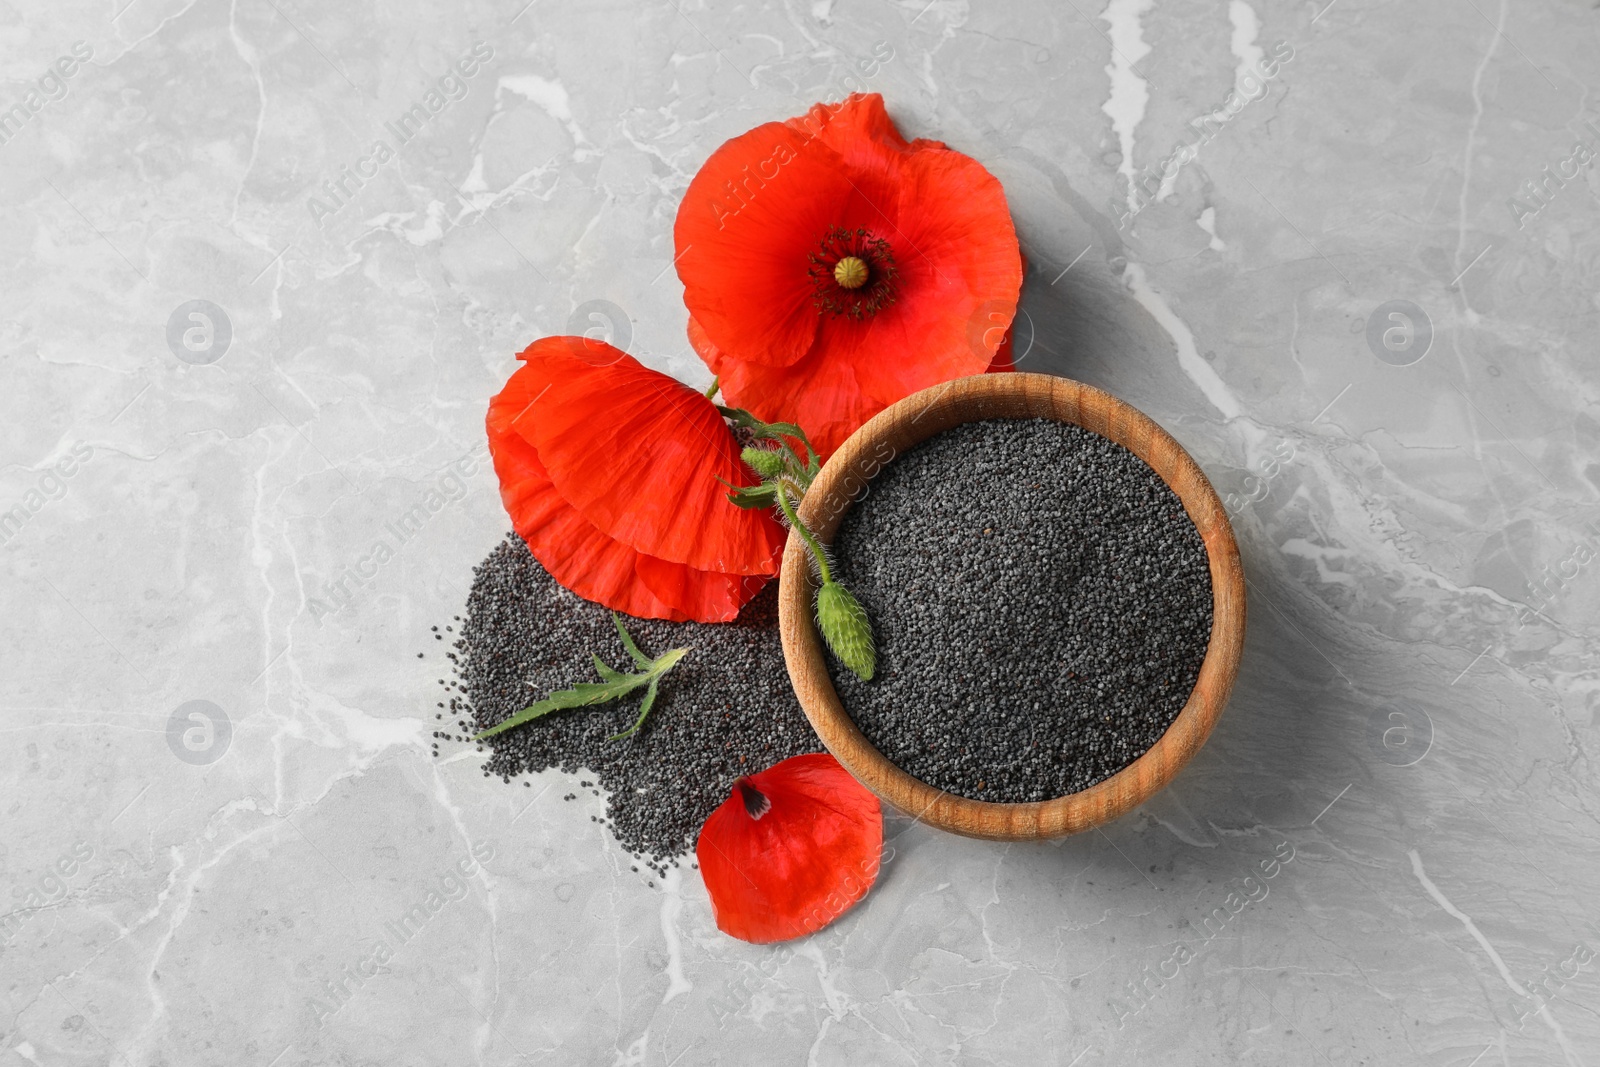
524, 636
1041, 602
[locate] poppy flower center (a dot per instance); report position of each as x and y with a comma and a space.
852, 273
756, 803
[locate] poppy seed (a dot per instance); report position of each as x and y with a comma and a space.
727, 709
1041, 603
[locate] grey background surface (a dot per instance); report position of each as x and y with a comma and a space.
1385, 855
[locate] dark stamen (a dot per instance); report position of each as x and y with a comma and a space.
873, 289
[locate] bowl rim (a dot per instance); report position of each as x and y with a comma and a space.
919, 416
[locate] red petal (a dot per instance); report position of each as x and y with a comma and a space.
743, 233
828, 398
1003, 362
803, 863
577, 554
709, 353
745, 281
644, 458
859, 129
1005, 356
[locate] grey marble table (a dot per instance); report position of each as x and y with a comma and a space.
1348, 252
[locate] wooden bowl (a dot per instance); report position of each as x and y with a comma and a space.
918, 417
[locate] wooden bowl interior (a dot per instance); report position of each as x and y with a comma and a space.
846, 476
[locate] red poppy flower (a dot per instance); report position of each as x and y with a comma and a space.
831, 267
790, 850
1003, 362
610, 471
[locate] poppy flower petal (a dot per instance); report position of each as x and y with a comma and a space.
859, 129
967, 259
704, 596
946, 307
1003, 363
790, 850
825, 397
706, 348
830, 398
644, 458
1005, 356
748, 221
577, 554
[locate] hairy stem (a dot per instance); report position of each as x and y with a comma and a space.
716, 384
811, 541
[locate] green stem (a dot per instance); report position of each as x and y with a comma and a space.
811, 541
716, 383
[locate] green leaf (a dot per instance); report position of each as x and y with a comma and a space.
780, 433
615, 686
608, 673
752, 497
644, 709
580, 695
627, 642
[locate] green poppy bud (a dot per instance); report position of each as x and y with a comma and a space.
763, 461
845, 629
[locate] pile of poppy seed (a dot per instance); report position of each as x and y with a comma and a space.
726, 709
1041, 602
